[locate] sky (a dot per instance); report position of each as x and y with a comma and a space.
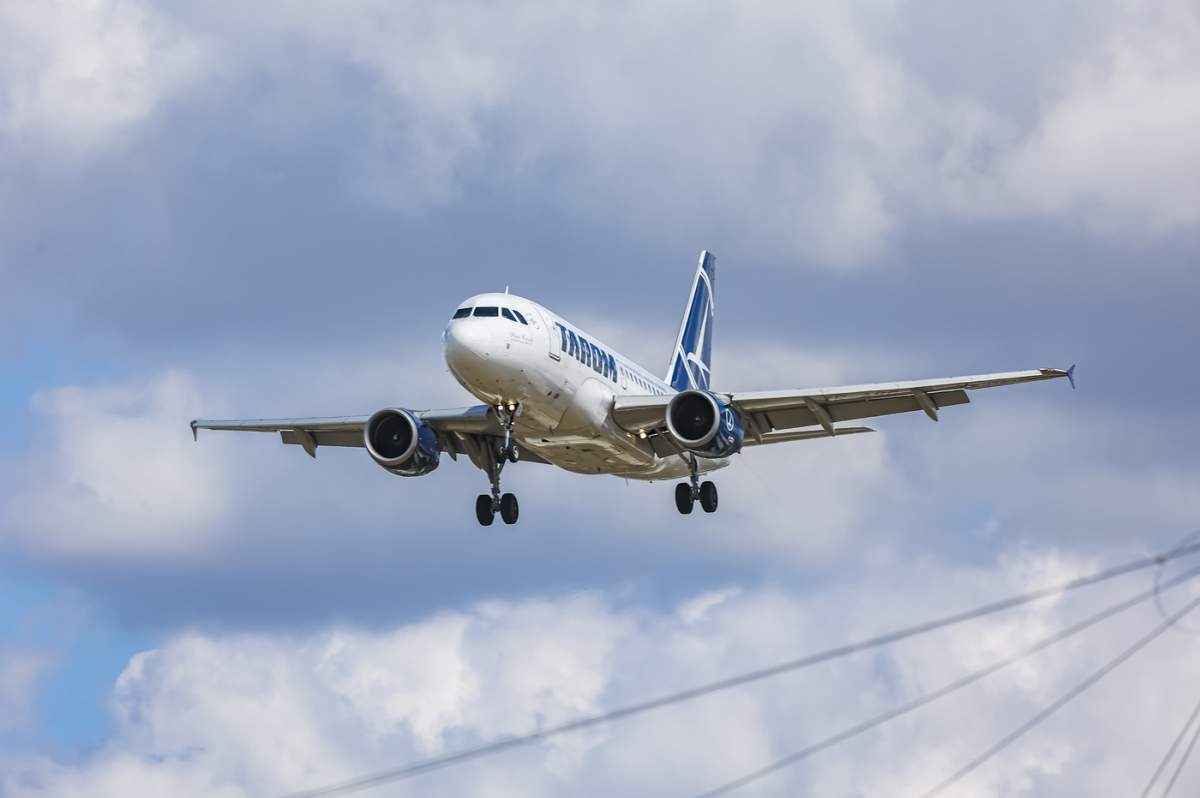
232, 210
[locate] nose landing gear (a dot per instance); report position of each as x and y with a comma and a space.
506, 504
686, 493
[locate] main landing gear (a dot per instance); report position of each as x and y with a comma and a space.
506, 504
686, 493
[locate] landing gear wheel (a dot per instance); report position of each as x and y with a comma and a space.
683, 498
708, 497
509, 509
514, 454
483, 510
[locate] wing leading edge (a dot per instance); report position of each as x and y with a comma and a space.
770, 415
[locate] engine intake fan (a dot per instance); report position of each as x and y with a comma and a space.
400, 442
704, 425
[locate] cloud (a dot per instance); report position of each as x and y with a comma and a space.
1114, 148
260, 714
80, 75
271, 210
810, 134
810, 129
20, 669
1061, 480
118, 477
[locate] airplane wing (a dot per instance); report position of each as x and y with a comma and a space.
774, 416
459, 430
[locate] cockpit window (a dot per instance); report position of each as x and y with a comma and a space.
520, 318
506, 313
487, 310
462, 313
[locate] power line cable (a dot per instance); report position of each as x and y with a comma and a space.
1162, 610
1063, 700
1171, 751
448, 760
941, 692
1182, 761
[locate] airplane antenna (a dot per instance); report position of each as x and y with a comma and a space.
506, 289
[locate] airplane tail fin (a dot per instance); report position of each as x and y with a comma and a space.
691, 360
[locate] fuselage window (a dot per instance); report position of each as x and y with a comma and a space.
520, 318
506, 313
462, 313
487, 310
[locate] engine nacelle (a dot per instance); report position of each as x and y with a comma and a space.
401, 442
704, 425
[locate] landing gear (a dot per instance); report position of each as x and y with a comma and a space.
509, 509
683, 498
686, 493
506, 504
483, 509
507, 415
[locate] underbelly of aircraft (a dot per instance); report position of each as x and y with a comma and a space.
586, 455
601, 455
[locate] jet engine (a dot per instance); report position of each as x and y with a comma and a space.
401, 442
704, 425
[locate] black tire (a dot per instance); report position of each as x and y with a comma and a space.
513, 454
483, 510
509, 509
708, 497
683, 498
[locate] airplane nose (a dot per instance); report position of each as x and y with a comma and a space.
466, 344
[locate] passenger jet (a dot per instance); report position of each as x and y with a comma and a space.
554, 394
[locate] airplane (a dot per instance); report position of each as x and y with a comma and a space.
552, 393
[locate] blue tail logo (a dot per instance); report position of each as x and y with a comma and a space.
691, 361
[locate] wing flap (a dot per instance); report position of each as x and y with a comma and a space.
786, 417
802, 435
640, 413
349, 438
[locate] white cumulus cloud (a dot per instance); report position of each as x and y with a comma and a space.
77, 74
261, 714
115, 474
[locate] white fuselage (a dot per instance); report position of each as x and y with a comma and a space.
565, 382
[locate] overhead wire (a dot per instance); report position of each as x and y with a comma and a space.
942, 692
1162, 610
1171, 751
1062, 700
1182, 762
381, 777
